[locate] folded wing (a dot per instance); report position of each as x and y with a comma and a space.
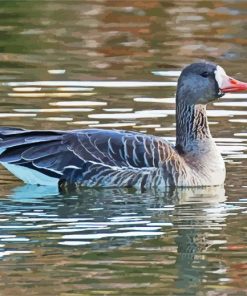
55, 152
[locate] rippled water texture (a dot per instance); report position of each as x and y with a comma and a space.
114, 64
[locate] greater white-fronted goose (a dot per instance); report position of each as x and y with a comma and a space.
111, 158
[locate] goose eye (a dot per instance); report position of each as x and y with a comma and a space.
204, 74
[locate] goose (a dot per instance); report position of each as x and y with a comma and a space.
116, 158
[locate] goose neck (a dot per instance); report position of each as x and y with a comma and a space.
192, 127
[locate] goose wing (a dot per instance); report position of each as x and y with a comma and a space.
52, 152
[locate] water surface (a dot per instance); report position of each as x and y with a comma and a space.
114, 64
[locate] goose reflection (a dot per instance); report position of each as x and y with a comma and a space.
120, 211
199, 221
98, 221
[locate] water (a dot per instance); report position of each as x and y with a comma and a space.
114, 64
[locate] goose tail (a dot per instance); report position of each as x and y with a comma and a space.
16, 142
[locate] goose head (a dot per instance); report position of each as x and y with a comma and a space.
201, 83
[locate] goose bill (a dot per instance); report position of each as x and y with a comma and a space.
229, 84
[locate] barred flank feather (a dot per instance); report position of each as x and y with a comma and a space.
87, 157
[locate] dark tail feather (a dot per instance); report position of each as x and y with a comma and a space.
13, 137
6, 130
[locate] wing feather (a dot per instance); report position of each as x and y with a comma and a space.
99, 154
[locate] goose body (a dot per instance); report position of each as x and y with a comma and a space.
111, 158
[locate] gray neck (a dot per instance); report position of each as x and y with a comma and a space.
191, 126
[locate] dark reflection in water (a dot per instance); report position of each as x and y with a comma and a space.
118, 240
97, 63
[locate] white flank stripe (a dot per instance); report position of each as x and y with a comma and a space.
30, 176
